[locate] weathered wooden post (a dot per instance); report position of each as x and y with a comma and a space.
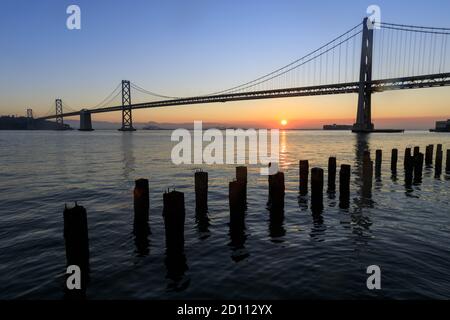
317, 189
344, 186
416, 151
418, 167
429, 155
277, 191
438, 163
174, 216
407, 156
439, 147
77, 240
394, 159
409, 167
141, 201
241, 176
201, 192
378, 161
331, 174
447, 162
236, 202
304, 173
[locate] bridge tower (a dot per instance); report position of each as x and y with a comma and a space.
127, 117
364, 113
59, 114
30, 119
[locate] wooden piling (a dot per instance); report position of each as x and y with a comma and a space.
418, 167
438, 163
317, 189
407, 156
77, 240
429, 155
331, 174
174, 216
277, 191
394, 159
141, 201
378, 161
409, 167
241, 176
303, 174
201, 192
416, 151
236, 203
344, 186
447, 162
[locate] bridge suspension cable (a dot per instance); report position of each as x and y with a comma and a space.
406, 50
158, 95
297, 63
110, 97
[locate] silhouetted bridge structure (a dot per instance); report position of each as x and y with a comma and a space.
400, 57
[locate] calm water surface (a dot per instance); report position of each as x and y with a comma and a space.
404, 231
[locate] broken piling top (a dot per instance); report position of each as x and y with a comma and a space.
141, 184
241, 174
75, 221
173, 203
201, 180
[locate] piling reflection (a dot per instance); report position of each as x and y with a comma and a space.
237, 203
176, 262
141, 232
276, 225
363, 172
202, 223
318, 228
126, 139
176, 266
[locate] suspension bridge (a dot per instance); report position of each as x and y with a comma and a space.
369, 58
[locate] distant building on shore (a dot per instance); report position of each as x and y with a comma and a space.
23, 123
337, 127
442, 126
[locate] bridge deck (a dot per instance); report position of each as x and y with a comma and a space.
425, 81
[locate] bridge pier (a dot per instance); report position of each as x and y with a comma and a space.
85, 121
30, 119
127, 117
59, 114
364, 112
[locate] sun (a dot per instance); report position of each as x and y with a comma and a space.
284, 122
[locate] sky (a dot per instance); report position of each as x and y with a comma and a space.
191, 47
